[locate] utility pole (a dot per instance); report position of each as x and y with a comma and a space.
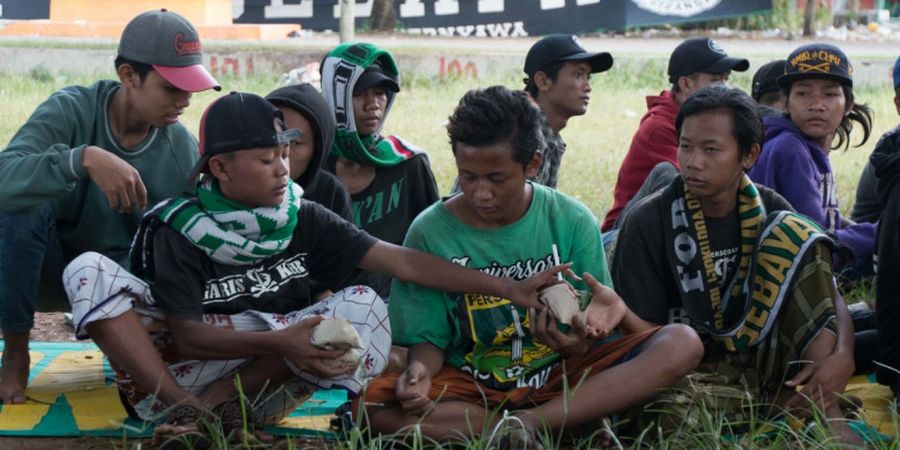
348, 20
809, 24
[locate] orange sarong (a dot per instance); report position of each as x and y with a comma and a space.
451, 384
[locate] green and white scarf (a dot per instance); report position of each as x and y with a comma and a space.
340, 71
228, 232
772, 248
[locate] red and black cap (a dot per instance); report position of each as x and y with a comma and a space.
239, 121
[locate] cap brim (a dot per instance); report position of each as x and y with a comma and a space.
193, 78
373, 79
725, 64
600, 62
787, 80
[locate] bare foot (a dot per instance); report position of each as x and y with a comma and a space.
847, 438
14, 370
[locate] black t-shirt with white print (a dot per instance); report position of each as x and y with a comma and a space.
387, 206
641, 274
325, 249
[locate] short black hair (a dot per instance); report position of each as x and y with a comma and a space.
551, 70
140, 68
747, 127
495, 115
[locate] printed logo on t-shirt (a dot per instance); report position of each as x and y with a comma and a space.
724, 261
503, 353
256, 281
378, 205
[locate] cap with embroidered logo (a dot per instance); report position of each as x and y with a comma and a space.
169, 43
239, 121
822, 61
702, 55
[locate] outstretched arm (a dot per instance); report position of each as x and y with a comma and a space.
607, 310
428, 270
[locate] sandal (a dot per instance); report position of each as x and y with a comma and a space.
185, 416
231, 416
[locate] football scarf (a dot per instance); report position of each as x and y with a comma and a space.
228, 232
771, 254
340, 71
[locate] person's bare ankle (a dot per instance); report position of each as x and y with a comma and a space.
218, 392
14, 370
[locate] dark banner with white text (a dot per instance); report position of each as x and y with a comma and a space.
502, 18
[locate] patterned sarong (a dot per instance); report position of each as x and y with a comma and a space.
101, 289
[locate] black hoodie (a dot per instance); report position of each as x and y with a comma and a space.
886, 161
318, 185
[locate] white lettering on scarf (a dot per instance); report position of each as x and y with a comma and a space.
685, 249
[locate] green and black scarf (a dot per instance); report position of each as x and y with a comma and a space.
771, 252
340, 72
228, 232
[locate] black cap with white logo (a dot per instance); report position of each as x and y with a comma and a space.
702, 55
765, 79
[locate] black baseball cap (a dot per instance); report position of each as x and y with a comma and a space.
169, 43
765, 79
702, 55
822, 61
239, 121
563, 47
375, 75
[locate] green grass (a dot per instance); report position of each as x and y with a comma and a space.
597, 142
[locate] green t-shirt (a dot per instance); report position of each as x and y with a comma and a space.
486, 336
42, 163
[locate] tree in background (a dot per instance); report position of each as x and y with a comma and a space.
809, 24
384, 16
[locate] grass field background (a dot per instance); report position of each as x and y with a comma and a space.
596, 142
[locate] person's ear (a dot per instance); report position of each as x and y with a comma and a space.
897, 103
218, 167
750, 157
685, 84
128, 76
532, 168
542, 81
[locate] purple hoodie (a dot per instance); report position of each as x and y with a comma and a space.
799, 170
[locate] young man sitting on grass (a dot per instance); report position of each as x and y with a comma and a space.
470, 354
733, 260
221, 287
